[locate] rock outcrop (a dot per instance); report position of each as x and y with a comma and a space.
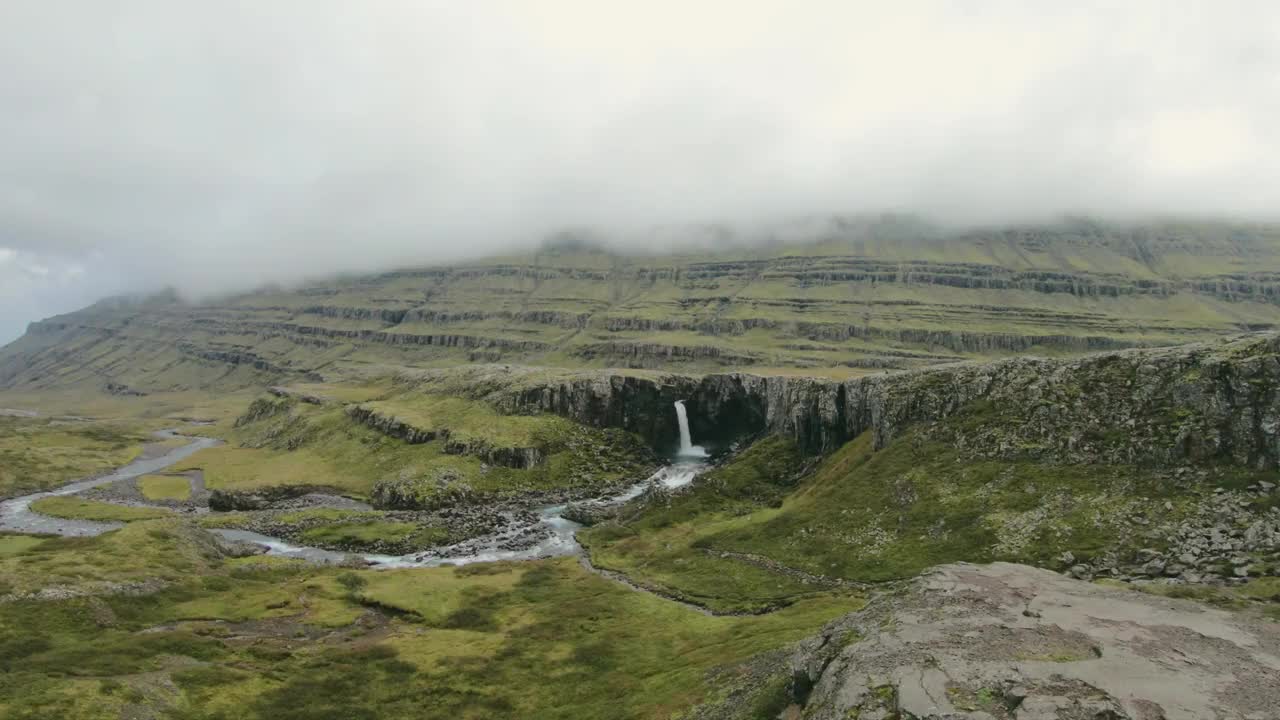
392, 426
258, 498
266, 407
520, 458
1011, 642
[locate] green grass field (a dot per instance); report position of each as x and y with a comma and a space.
262, 638
75, 508
285, 443
867, 516
165, 487
39, 454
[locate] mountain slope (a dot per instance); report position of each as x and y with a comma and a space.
861, 296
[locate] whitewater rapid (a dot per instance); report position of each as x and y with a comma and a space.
560, 538
559, 533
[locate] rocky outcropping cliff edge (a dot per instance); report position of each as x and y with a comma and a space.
520, 458
1199, 403
1014, 642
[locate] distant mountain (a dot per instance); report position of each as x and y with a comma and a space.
867, 295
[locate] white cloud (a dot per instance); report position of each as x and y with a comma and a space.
217, 145
34, 269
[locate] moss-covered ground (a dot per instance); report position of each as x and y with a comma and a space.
874, 516
365, 533
658, 546
39, 453
157, 550
74, 508
283, 443
353, 530
165, 487
1265, 590
472, 423
214, 637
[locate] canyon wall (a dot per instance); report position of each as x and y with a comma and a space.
1209, 402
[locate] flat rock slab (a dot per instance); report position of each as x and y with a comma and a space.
1015, 642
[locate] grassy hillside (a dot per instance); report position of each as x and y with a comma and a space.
867, 516
841, 296
415, 450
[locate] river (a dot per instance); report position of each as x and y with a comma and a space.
558, 533
16, 514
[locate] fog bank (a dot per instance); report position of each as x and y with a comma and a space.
217, 146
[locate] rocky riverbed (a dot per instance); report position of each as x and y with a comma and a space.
284, 520
504, 524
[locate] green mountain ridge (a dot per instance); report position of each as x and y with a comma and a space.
854, 297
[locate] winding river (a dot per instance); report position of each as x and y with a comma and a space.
16, 514
558, 533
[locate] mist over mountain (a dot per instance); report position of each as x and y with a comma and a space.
215, 148
715, 360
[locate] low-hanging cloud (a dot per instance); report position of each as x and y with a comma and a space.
214, 146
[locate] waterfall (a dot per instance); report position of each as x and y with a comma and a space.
686, 441
687, 448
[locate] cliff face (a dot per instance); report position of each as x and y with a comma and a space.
1196, 403
641, 405
1199, 403
519, 458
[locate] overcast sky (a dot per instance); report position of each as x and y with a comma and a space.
217, 145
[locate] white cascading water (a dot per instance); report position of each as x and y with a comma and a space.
687, 448
686, 440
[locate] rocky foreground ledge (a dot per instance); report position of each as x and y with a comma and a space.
1012, 642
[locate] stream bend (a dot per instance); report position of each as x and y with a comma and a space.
558, 532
